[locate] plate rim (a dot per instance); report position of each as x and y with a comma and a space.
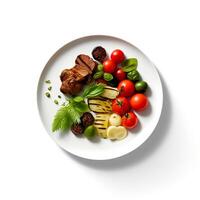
128, 150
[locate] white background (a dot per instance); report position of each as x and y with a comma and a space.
167, 166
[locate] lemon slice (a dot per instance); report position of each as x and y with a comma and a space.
116, 132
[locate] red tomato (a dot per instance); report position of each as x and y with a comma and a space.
120, 75
139, 102
129, 120
109, 66
126, 88
120, 105
117, 56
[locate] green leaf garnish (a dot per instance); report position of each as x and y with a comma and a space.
93, 90
81, 107
129, 64
71, 113
129, 68
78, 99
61, 119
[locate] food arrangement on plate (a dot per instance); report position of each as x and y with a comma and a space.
101, 94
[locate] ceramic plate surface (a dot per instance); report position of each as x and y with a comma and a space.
99, 149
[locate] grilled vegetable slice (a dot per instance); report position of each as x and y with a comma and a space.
101, 124
100, 105
110, 92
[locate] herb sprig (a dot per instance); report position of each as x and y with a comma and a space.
75, 107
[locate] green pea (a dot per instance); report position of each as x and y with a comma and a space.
90, 132
141, 86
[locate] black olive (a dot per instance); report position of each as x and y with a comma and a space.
77, 129
99, 54
87, 119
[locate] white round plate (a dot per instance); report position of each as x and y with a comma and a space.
99, 149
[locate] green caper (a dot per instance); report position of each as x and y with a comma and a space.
100, 67
90, 132
49, 88
48, 81
107, 76
56, 102
48, 94
141, 86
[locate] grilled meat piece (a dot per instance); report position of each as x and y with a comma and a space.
86, 61
73, 79
81, 70
99, 54
71, 86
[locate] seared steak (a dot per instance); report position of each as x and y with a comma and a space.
71, 86
73, 79
86, 61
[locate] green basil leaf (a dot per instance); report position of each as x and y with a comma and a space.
93, 90
129, 62
81, 107
61, 119
78, 99
129, 68
133, 75
108, 76
98, 75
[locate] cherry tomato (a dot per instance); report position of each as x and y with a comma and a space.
139, 102
120, 105
117, 56
109, 66
129, 120
126, 88
120, 75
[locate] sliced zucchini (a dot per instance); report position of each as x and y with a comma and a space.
100, 105
110, 92
101, 124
